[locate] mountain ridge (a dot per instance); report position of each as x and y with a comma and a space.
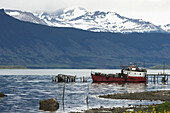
96, 21
34, 45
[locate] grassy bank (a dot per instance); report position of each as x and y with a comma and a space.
12, 67
161, 108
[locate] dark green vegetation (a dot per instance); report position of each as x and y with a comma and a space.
12, 67
162, 108
38, 46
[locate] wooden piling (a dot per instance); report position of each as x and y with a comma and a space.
52, 79
63, 96
162, 76
64, 78
80, 79
59, 78
67, 79
163, 79
75, 78
151, 78
87, 96
157, 78
83, 79
55, 78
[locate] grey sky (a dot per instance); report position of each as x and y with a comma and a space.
155, 11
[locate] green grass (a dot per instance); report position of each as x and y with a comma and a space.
162, 108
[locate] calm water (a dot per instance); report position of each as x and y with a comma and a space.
26, 87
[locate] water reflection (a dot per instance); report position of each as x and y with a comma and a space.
118, 87
136, 87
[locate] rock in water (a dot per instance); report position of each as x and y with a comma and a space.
49, 105
2, 95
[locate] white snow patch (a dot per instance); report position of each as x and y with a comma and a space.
13, 13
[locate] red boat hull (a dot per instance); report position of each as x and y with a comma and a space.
97, 78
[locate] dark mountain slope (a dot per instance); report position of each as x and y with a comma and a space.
28, 44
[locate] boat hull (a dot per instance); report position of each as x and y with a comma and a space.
97, 78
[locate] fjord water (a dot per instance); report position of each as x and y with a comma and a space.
26, 87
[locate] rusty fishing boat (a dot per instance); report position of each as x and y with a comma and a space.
131, 73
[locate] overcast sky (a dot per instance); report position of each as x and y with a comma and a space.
154, 11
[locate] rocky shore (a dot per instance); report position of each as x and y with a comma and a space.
161, 108
2, 95
49, 105
152, 95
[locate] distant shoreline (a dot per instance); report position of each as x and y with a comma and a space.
12, 67
69, 67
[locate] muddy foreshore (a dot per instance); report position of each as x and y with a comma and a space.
151, 95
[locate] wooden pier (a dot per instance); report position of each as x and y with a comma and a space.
64, 78
67, 78
155, 77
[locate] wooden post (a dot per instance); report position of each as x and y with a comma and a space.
157, 78
80, 79
67, 78
71, 79
167, 79
87, 97
84, 79
62, 78
55, 78
163, 80
59, 78
52, 79
75, 78
151, 78
154, 79
63, 96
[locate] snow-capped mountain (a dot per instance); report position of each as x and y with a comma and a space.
24, 16
96, 21
166, 27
